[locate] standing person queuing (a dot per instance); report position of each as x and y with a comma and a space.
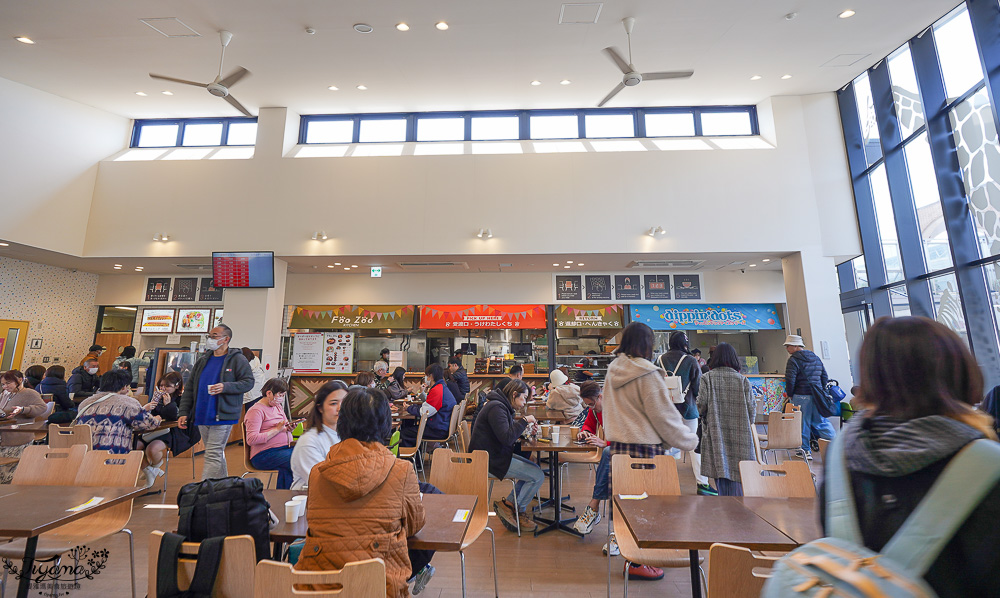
593, 398
641, 420
495, 432
84, 381
321, 432
22, 404
920, 382
94, 353
679, 361
259, 376
564, 396
269, 433
164, 403
460, 375
213, 397
803, 370
727, 407
363, 502
128, 358
54, 383
113, 415
438, 407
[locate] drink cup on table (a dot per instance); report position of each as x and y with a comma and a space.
556, 437
546, 431
574, 432
291, 511
300, 501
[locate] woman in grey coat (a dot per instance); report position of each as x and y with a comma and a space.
727, 408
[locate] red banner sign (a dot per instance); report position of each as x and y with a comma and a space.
437, 317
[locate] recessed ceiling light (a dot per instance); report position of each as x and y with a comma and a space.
756, 78
336, 263
354, 265
565, 82
556, 265
580, 264
753, 265
118, 267
330, 266
786, 76
847, 14
167, 93
141, 93
441, 26
362, 87
2, 244
402, 27
333, 88
569, 261
346, 268
536, 82
766, 260
363, 28
25, 40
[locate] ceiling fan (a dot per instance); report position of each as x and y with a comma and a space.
631, 76
220, 86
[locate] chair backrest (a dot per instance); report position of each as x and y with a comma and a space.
784, 430
823, 445
66, 437
104, 468
791, 407
656, 476
48, 397
362, 579
756, 444
236, 568
420, 430
790, 479
463, 473
731, 572
457, 415
464, 436
49, 407
42, 465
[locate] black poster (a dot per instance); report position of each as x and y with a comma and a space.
185, 289
157, 289
627, 287
569, 288
599, 287
208, 292
657, 287
687, 286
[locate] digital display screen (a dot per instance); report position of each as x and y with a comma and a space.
243, 269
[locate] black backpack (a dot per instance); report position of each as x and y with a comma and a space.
209, 511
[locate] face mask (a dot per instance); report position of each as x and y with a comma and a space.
91, 371
279, 399
213, 344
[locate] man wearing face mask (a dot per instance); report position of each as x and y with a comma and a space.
84, 381
213, 397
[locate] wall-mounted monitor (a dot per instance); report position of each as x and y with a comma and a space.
468, 348
520, 349
243, 269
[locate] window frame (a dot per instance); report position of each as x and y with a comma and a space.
181, 123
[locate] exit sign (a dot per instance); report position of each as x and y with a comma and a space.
376, 271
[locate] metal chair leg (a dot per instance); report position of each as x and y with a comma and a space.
493, 543
462, 558
131, 556
55, 582
627, 565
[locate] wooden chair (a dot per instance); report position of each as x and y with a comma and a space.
412, 453
823, 445
784, 433
791, 407
60, 437
363, 579
49, 466
50, 406
756, 444
659, 479
99, 468
731, 572
464, 436
246, 461
236, 568
791, 479
466, 473
456, 416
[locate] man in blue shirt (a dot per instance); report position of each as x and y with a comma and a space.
214, 396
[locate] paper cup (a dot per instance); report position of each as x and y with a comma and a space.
555, 434
546, 431
300, 501
291, 511
574, 431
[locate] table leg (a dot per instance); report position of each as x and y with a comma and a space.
695, 577
557, 522
276, 551
548, 502
26, 565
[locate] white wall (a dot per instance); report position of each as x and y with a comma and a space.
49, 158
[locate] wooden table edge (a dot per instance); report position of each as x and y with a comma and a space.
415, 543
71, 517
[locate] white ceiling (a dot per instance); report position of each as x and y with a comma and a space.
97, 52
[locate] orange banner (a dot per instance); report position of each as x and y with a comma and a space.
437, 317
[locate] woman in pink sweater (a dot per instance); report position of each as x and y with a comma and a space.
269, 433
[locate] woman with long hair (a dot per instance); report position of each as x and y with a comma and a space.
321, 432
727, 409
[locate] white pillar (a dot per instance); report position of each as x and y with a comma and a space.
255, 315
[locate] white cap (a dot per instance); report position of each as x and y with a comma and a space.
557, 377
794, 340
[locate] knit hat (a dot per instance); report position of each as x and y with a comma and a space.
557, 377
794, 340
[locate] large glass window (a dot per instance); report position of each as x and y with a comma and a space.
905, 94
382, 130
492, 128
927, 201
674, 124
158, 135
956, 48
330, 131
886, 220
610, 125
242, 134
869, 123
993, 285
948, 304
726, 123
203, 134
975, 135
440, 129
554, 127
899, 298
860, 272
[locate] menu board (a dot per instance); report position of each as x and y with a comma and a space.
157, 321
185, 289
157, 289
307, 353
338, 353
569, 288
216, 317
598, 287
208, 292
193, 321
627, 287
243, 269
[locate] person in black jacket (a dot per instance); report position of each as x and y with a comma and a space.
495, 432
164, 402
460, 375
803, 372
920, 381
33, 376
84, 380
54, 383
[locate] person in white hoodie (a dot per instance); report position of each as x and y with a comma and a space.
259, 376
639, 418
564, 396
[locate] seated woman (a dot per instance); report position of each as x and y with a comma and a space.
113, 415
164, 404
54, 383
366, 379
363, 502
495, 432
395, 389
565, 396
33, 376
22, 404
321, 432
439, 404
269, 433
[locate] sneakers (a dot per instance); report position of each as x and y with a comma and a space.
506, 515
614, 546
151, 474
527, 523
706, 490
805, 455
421, 579
586, 522
642, 572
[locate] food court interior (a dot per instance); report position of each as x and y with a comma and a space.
441, 177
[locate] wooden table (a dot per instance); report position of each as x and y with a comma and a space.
694, 523
565, 445
543, 414
41, 426
797, 518
30, 511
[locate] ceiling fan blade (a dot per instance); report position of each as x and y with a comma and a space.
613, 93
618, 59
233, 77
237, 105
667, 75
175, 80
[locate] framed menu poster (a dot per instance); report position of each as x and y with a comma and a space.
307, 353
216, 317
338, 353
157, 321
193, 321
